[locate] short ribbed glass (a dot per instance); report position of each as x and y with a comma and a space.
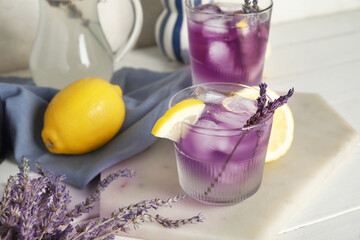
221, 166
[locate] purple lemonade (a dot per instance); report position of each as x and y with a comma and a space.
220, 162
226, 43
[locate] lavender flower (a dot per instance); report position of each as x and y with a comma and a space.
265, 108
38, 209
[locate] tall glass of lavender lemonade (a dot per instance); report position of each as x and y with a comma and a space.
219, 161
228, 39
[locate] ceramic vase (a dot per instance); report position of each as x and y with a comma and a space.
171, 31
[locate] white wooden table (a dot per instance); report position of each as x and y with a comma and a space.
318, 55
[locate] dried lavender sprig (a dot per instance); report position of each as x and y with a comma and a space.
136, 214
149, 204
12, 219
272, 106
6, 198
40, 199
88, 204
261, 104
125, 213
255, 7
100, 229
168, 223
247, 3
47, 200
22, 182
140, 214
13, 200
59, 200
246, 6
262, 93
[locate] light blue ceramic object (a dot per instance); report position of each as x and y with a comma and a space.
171, 31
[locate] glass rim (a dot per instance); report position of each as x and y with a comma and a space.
233, 131
187, 4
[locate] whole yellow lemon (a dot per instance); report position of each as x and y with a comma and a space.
83, 117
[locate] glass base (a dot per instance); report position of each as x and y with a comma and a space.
217, 201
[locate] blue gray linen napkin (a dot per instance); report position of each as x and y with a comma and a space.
146, 95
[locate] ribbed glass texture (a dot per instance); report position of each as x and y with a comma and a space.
228, 184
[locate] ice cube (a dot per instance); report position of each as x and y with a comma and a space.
219, 52
230, 119
215, 26
230, 8
206, 123
209, 8
253, 20
239, 104
208, 96
201, 17
205, 12
203, 146
221, 58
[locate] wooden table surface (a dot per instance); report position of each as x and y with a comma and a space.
317, 55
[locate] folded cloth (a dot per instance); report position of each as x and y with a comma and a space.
146, 95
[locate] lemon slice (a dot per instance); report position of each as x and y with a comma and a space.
169, 125
248, 93
282, 132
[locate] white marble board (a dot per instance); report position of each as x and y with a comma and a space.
323, 140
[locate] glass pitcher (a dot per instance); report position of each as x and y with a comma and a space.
70, 43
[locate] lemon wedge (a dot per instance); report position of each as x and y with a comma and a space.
282, 132
169, 125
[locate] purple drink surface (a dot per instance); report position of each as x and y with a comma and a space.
227, 46
205, 147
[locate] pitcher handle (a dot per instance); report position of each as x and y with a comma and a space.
121, 52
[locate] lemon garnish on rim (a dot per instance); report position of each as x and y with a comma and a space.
282, 131
169, 125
